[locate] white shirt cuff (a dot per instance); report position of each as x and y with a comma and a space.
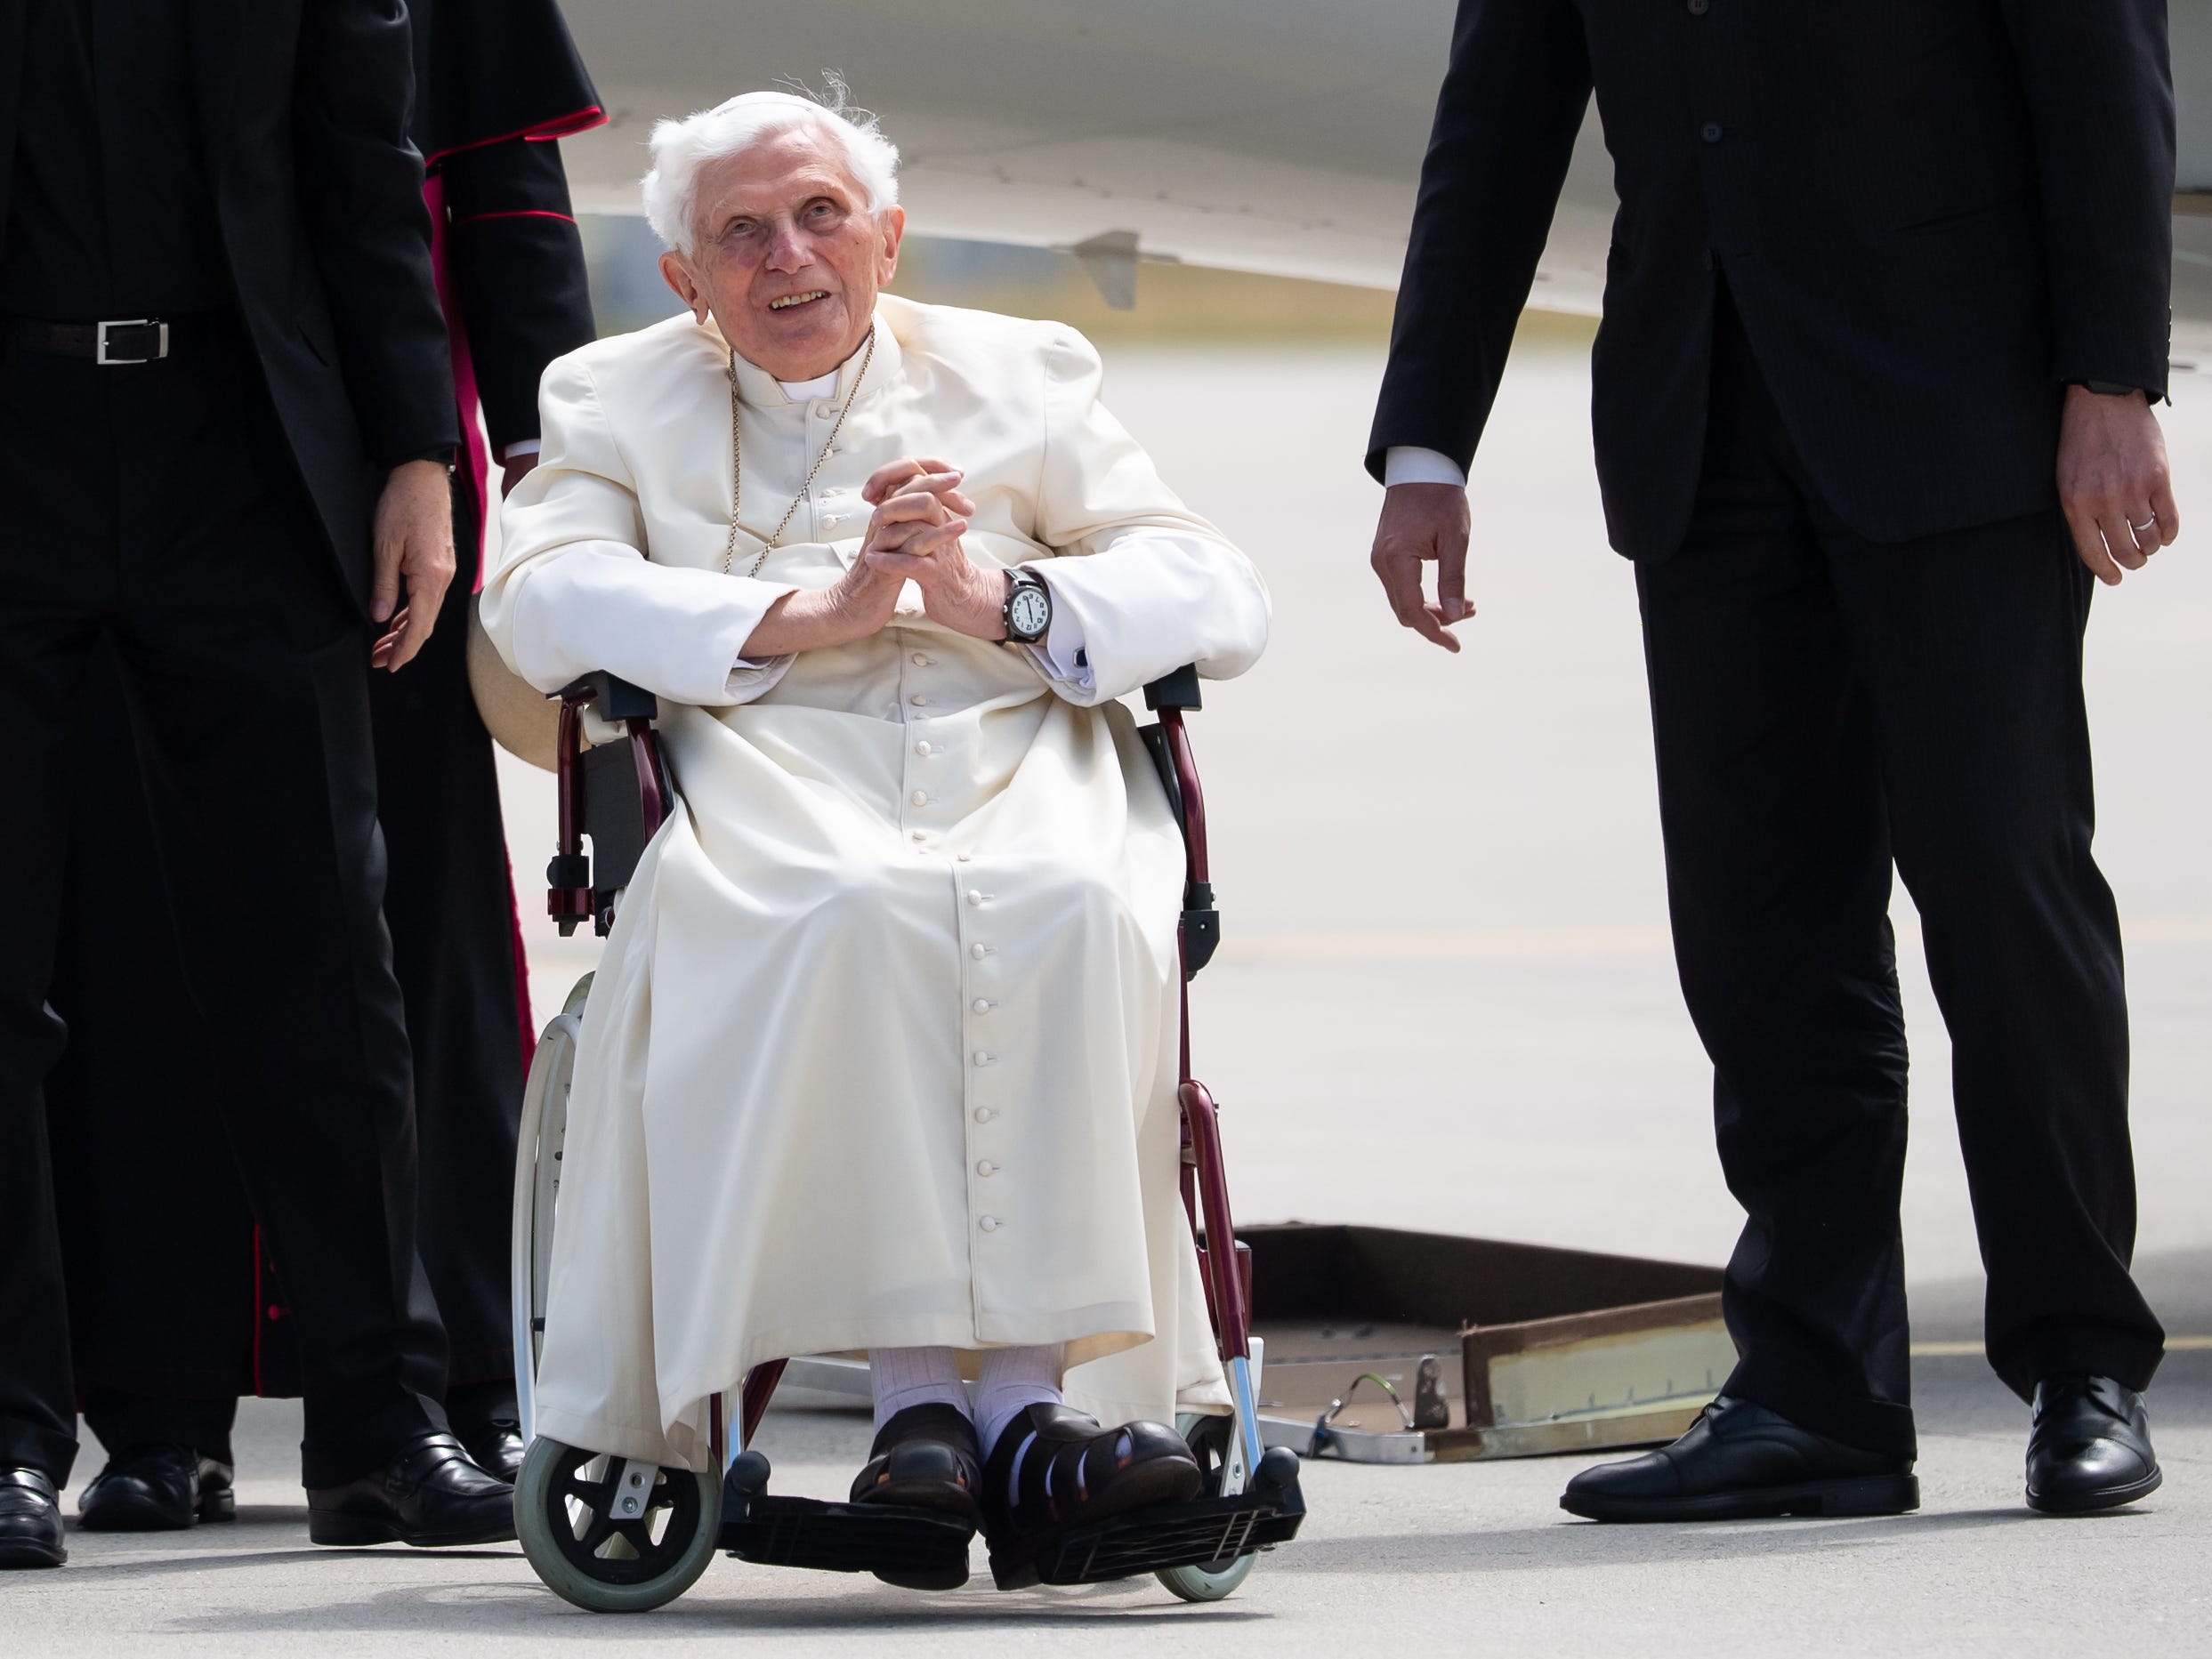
520, 447
1407, 463
1061, 653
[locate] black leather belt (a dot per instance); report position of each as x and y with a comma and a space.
109, 344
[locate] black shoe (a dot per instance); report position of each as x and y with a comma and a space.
429, 1495
495, 1447
30, 1520
157, 1489
925, 1458
1074, 1472
2090, 1448
1739, 1460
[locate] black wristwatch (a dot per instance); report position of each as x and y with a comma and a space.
1028, 612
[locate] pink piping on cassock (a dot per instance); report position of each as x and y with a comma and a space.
475, 468
518, 213
538, 132
475, 473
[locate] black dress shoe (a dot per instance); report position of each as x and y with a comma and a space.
155, 1489
1055, 1467
429, 1495
1739, 1460
2090, 1448
495, 1447
30, 1520
925, 1458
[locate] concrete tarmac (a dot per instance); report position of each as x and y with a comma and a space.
1445, 1001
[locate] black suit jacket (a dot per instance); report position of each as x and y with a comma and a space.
1930, 213
303, 104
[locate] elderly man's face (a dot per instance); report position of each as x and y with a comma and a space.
789, 258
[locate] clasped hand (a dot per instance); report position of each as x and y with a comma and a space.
914, 534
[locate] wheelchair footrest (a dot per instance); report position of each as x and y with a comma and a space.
919, 1547
1202, 1533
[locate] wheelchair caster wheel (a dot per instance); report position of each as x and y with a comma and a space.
565, 1505
1208, 1438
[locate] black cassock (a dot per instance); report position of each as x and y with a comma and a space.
176, 1306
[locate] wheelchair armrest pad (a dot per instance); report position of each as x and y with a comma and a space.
611, 698
1177, 690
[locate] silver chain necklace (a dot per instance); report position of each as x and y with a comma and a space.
737, 462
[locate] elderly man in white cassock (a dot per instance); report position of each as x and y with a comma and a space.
882, 1053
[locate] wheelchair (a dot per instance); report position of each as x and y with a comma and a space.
615, 1534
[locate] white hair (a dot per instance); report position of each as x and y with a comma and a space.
681, 149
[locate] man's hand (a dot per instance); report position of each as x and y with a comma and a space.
412, 542
2113, 481
915, 535
1422, 522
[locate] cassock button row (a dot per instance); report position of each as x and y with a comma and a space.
983, 1114
989, 1224
981, 1006
920, 661
977, 951
918, 700
922, 749
823, 411
919, 798
974, 897
986, 1167
829, 522
982, 1058
924, 835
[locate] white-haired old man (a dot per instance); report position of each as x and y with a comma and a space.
882, 1052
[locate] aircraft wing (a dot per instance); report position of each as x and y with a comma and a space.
1280, 136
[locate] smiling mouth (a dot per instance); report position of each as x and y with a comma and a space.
793, 301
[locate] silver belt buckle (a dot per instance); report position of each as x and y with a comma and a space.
100, 354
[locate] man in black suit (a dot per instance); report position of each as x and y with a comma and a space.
176, 1306
1885, 312
225, 420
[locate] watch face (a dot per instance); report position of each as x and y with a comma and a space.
1031, 612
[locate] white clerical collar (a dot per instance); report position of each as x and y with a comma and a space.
762, 389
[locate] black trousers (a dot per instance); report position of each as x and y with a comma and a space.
1824, 706
170, 1318
150, 510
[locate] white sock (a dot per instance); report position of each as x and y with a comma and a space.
915, 1376
1014, 1379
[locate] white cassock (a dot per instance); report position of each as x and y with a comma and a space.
882, 1051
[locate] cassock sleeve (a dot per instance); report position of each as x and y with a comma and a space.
361, 194
1511, 102
573, 591
2100, 90
518, 265
1150, 584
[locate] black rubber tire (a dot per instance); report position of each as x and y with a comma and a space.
623, 1568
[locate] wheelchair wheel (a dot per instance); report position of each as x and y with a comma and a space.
1209, 1439
565, 1513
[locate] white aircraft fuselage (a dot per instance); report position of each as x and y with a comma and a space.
1280, 136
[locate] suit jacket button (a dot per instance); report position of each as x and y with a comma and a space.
1710, 132
1698, 8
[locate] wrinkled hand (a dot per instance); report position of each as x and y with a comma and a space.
1420, 523
914, 535
413, 545
2113, 482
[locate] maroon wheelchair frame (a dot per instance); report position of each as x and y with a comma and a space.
1225, 1267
